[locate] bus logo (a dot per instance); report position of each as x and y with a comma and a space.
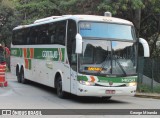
50, 54
110, 83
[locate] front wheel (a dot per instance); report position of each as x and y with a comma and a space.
60, 92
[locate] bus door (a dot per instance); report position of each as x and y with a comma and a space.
72, 56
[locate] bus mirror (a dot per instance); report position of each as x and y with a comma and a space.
78, 44
145, 47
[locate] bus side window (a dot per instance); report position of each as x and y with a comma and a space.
52, 39
43, 37
31, 40
71, 41
28, 40
24, 36
30, 36
51, 33
18, 37
60, 32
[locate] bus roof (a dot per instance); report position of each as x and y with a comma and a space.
77, 18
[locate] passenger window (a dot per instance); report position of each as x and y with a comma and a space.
60, 32
71, 42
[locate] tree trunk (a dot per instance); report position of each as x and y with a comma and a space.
137, 20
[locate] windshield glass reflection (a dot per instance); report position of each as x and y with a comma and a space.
106, 30
108, 57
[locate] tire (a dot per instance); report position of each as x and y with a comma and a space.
60, 92
18, 78
23, 80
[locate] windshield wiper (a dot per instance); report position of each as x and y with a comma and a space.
124, 72
105, 61
121, 67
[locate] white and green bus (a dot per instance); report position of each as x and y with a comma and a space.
85, 55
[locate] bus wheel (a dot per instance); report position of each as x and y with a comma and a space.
60, 92
18, 78
23, 80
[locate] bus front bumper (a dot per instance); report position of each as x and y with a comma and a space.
98, 91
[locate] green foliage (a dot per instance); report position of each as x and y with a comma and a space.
30, 10
156, 89
117, 6
148, 89
150, 24
145, 14
79, 6
68, 5
144, 88
7, 20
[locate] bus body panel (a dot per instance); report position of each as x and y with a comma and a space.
74, 82
42, 70
120, 85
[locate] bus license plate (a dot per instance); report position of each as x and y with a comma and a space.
110, 91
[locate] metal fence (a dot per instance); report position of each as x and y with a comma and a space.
148, 75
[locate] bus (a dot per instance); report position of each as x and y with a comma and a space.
84, 55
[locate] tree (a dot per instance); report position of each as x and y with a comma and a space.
7, 21
79, 6
30, 10
150, 24
143, 13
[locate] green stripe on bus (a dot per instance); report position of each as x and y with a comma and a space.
84, 78
63, 53
110, 79
117, 79
48, 53
41, 53
28, 53
16, 52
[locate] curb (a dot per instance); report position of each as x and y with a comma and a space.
147, 95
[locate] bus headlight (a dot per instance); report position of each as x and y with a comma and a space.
87, 83
132, 84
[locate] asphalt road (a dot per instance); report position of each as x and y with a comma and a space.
36, 96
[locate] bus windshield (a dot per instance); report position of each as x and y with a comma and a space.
106, 30
104, 57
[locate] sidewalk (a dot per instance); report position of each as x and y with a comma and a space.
148, 95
